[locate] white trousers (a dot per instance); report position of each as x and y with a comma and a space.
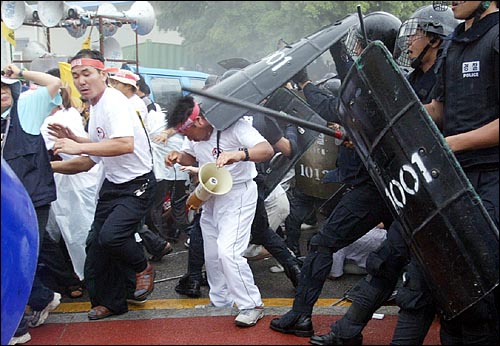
226, 224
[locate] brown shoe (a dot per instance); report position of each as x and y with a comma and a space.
99, 312
144, 282
166, 250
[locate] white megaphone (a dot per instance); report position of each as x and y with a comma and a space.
32, 51
50, 12
143, 16
15, 13
109, 27
213, 181
112, 50
75, 27
74, 11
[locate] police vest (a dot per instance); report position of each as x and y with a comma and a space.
471, 99
28, 157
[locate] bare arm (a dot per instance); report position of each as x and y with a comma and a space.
261, 152
483, 137
73, 166
436, 110
60, 131
180, 157
164, 136
111, 147
52, 83
284, 145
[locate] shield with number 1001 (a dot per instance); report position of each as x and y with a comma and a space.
445, 224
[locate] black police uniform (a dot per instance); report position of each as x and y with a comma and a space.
359, 210
385, 265
468, 86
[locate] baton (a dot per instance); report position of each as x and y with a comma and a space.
339, 134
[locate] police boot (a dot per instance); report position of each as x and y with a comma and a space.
293, 323
332, 339
188, 286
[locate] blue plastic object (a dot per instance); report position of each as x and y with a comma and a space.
19, 250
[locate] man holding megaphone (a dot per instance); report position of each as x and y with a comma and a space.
229, 196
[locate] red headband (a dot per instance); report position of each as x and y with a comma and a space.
127, 75
190, 120
88, 62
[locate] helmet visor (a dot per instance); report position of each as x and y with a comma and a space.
410, 31
354, 42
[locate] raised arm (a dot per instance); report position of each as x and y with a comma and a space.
52, 83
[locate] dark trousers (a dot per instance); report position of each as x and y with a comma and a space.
112, 251
55, 268
196, 257
358, 211
152, 241
155, 220
418, 309
384, 267
263, 235
40, 295
301, 207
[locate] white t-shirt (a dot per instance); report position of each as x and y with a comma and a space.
68, 117
112, 117
139, 106
156, 123
240, 134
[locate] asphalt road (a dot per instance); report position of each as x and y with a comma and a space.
271, 285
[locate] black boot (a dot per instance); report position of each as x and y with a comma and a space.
293, 323
293, 273
332, 339
188, 286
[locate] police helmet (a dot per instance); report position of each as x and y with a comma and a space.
379, 25
482, 6
332, 85
427, 20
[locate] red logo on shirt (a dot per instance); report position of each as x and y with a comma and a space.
100, 133
216, 152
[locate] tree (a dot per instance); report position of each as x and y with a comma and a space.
216, 30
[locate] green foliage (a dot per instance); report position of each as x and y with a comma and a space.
216, 30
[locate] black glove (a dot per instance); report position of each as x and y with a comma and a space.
300, 77
338, 51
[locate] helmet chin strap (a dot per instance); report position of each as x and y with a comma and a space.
483, 6
415, 63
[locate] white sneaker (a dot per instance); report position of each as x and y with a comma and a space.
278, 268
249, 317
22, 339
39, 317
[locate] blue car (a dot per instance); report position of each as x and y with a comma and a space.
165, 84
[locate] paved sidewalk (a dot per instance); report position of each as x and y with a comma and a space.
199, 327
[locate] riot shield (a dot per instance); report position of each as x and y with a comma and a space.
286, 101
259, 80
320, 158
445, 225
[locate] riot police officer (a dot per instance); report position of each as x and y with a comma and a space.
418, 45
466, 106
362, 207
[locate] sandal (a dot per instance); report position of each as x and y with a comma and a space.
75, 292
